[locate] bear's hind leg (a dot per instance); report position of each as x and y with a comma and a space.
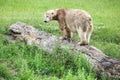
88, 35
82, 36
89, 32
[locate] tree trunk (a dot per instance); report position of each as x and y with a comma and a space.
47, 42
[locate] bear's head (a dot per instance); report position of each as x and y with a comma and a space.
50, 15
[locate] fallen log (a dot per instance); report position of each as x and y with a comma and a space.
98, 60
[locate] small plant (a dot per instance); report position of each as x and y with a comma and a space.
5, 72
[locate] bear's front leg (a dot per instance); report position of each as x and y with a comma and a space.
66, 35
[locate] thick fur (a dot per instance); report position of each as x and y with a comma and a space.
72, 20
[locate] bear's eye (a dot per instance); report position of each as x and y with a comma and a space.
47, 16
52, 13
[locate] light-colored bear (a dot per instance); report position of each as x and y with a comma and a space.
72, 20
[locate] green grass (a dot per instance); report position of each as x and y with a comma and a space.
31, 63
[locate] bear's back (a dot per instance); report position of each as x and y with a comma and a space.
76, 14
76, 18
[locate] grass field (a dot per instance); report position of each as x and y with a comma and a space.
22, 62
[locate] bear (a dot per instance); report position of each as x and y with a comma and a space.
72, 21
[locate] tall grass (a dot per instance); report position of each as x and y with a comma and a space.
30, 63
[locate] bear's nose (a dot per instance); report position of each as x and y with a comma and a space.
45, 21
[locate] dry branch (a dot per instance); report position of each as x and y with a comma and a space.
97, 58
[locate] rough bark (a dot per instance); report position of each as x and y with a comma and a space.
47, 42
